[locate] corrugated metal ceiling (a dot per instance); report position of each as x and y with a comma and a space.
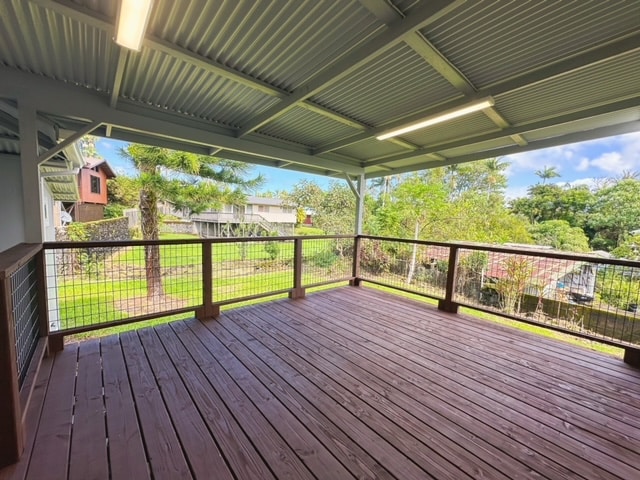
396, 84
493, 40
621, 77
249, 65
306, 127
191, 90
278, 41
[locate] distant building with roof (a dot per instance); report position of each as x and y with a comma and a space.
92, 186
258, 216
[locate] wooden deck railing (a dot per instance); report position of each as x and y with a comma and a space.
57, 289
23, 332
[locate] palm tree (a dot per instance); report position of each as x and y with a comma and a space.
495, 177
546, 173
188, 181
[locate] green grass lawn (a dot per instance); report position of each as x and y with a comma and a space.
238, 272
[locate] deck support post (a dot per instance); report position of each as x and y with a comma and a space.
208, 309
355, 272
11, 428
632, 357
297, 291
447, 304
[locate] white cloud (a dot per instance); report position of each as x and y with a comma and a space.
611, 155
583, 164
625, 155
516, 192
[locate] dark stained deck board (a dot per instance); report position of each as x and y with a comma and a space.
237, 448
341, 410
382, 395
88, 457
598, 365
350, 382
526, 420
281, 458
127, 457
313, 453
514, 381
18, 471
350, 453
164, 452
50, 455
402, 431
198, 445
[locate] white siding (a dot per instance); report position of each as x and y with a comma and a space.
12, 216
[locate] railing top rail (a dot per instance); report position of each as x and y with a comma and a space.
532, 252
16, 256
136, 243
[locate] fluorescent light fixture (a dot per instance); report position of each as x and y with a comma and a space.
440, 117
132, 22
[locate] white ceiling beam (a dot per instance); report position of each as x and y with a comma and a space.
43, 157
579, 61
438, 61
396, 32
513, 131
601, 132
118, 76
66, 100
85, 15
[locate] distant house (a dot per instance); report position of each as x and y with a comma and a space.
92, 185
259, 216
548, 277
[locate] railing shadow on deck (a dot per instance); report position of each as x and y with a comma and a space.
57, 289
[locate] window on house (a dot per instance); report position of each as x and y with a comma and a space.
263, 208
287, 210
95, 184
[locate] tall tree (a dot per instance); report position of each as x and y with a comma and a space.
187, 180
88, 146
615, 213
547, 173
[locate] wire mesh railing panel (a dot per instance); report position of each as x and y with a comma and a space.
96, 286
24, 296
250, 268
405, 265
326, 259
594, 298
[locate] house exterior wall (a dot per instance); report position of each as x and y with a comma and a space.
84, 185
12, 219
272, 213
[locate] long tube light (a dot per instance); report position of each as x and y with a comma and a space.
132, 22
440, 117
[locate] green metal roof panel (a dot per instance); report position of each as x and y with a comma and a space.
493, 40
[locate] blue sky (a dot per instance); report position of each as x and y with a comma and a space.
577, 163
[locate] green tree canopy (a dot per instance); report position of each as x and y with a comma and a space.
560, 235
615, 213
195, 182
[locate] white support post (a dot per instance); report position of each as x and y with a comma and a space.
31, 183
362, 190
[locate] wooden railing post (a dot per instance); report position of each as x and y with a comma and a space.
208, 309
448, 305
43, 307
297, 291
355, 272
11, 431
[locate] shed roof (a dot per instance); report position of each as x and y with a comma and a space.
307, 85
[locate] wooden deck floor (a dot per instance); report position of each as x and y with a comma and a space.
347, 383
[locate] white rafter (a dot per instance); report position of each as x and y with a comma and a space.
396, 32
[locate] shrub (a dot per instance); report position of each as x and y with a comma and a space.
324, 259
272, 249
